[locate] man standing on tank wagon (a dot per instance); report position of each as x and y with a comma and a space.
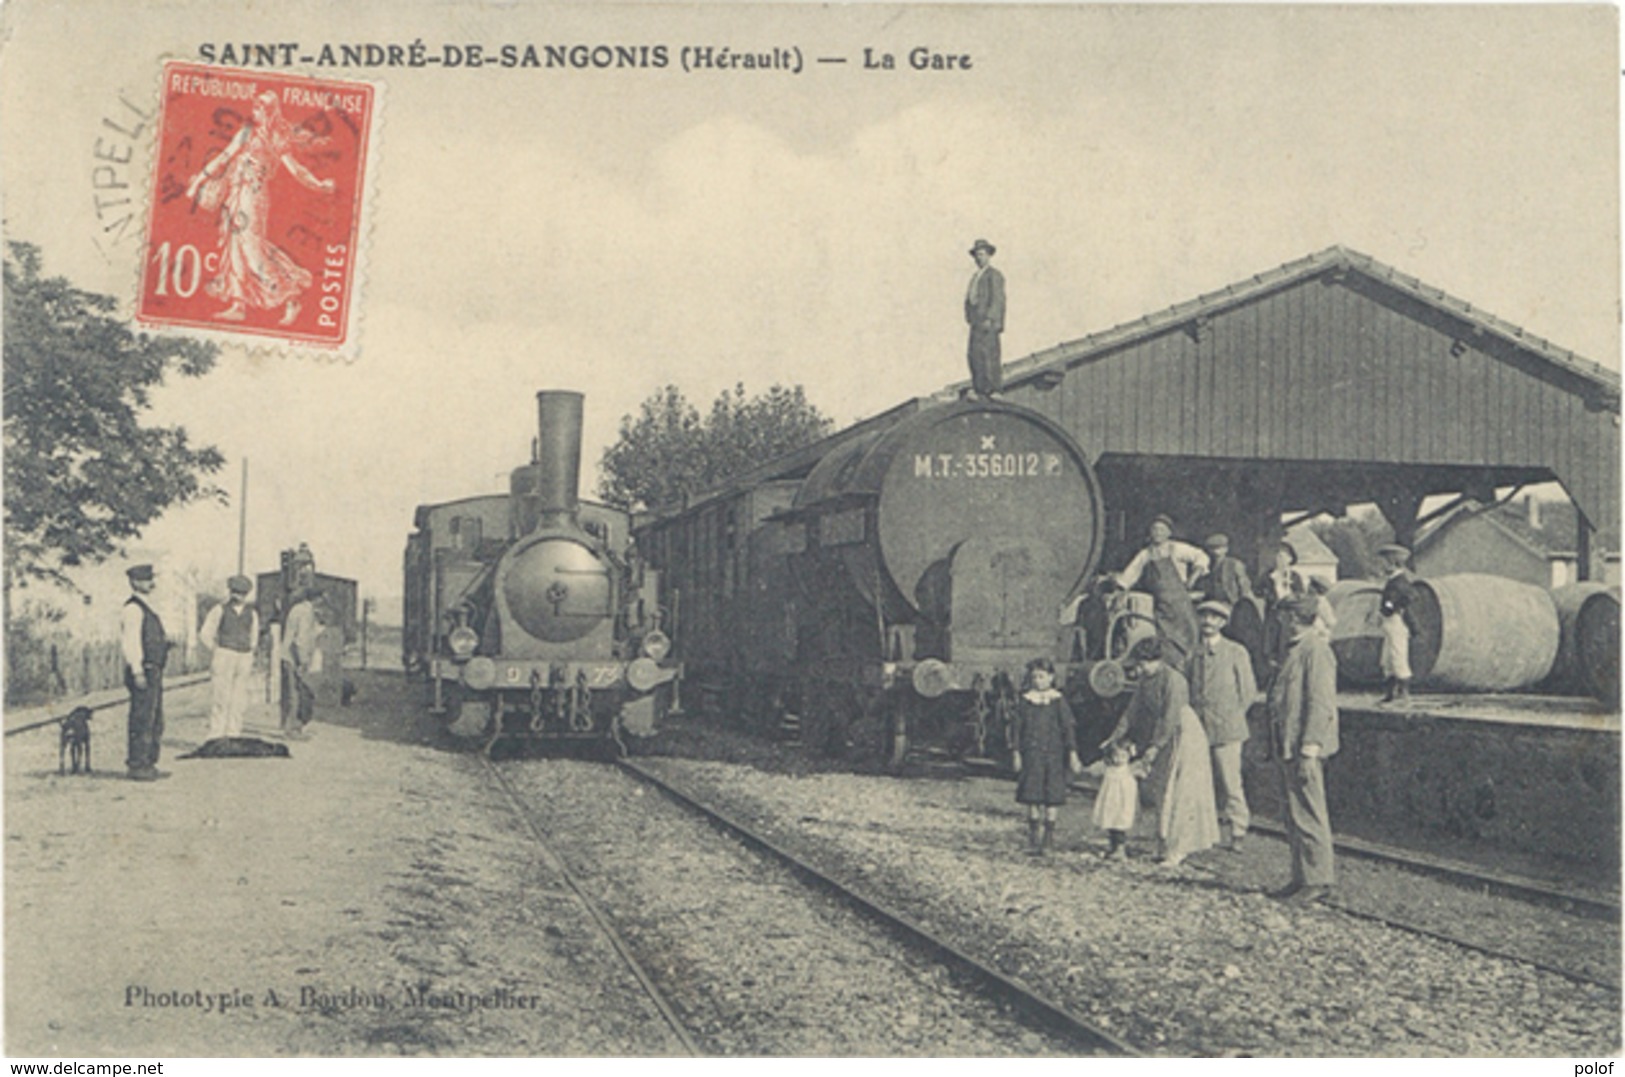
145, 648
984, 312
1303, 732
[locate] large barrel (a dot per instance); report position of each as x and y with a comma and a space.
1357, 636
1588, 646
1480, 633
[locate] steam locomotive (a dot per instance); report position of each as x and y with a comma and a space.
892, 580
528, 613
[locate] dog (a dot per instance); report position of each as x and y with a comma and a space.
75, 743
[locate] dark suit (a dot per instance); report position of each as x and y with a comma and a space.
1303, 710
1226, 582
145, 730
984, 313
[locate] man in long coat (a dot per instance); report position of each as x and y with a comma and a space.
984, 313
1303, 727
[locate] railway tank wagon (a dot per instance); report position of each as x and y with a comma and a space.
917, 567
528, 614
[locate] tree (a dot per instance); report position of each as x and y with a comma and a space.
667, 452
82, 474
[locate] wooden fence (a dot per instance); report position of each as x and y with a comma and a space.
64, 668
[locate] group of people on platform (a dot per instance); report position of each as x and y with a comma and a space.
1183, 730
231, 630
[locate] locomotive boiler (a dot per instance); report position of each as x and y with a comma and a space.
528, 613
895, 578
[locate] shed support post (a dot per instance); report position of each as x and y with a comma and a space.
1400, 507
1582, 548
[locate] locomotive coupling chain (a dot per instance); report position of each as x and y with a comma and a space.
537, 698
581, 704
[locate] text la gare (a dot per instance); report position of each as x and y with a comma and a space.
919, 58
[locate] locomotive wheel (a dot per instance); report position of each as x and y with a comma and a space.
896, 718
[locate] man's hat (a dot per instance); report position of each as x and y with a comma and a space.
983, 245
239, 585
1163, 518
1215, 541
1393, 549
139, 572
1213, 605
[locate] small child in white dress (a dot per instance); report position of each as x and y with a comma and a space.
1116, 802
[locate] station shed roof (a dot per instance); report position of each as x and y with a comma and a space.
1350, 375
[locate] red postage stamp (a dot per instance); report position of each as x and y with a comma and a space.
257, 198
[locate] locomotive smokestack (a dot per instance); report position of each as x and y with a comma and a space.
558, 469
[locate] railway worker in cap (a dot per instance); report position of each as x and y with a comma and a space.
1165, 568
1226, 579
231, 630
984, 313
1303, 728
1163, 730
145, 648
1222, 688
1398, 594
298, 652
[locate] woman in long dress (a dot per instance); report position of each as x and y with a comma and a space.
254, 272
1161, 727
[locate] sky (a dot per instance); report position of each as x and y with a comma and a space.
613, 231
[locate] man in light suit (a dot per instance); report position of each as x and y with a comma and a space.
1222, 688
1303, 727
984, 312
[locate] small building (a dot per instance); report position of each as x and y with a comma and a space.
1528, 540
1315, 559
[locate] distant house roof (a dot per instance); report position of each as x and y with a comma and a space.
1309, 546
1540, 543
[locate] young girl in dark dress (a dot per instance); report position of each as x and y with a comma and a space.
1045, 748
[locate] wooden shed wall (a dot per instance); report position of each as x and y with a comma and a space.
1344, 370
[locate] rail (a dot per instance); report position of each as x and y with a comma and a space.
111, 697
1043, 1010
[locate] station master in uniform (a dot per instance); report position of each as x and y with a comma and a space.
145, 648
984, 312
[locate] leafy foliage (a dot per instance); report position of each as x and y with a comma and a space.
82, 474
1354, 539
668, 452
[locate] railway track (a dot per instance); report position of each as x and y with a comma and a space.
1036, 1007
1534, 892
556, 863
685, 1013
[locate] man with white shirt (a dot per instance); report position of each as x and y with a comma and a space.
231, 631
145, 648
984, 312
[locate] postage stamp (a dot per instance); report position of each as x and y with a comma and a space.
259, 184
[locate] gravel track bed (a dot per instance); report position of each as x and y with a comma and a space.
753, 959
1177, 962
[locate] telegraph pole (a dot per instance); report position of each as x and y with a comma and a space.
242, 518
